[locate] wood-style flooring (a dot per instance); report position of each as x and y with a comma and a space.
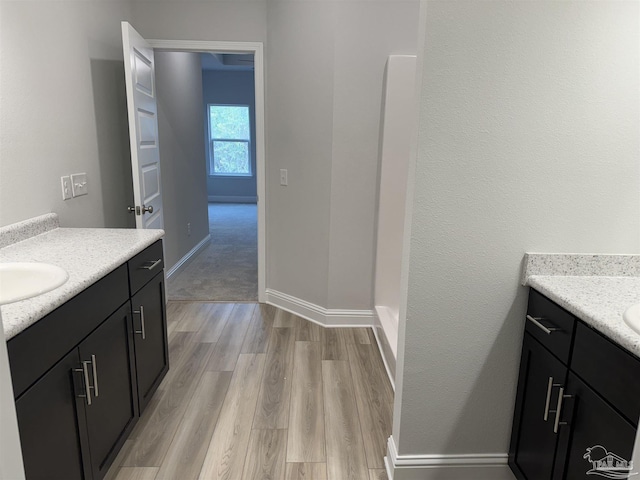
254, 392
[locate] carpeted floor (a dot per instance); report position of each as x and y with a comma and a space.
227, 269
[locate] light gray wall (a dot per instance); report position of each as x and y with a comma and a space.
325, 64
195, 20
63, 110
182, 158
230, 87
528, 141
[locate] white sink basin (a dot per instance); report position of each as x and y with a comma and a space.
631, 317
19, 281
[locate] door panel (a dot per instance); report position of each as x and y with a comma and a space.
536, 440
152, 354
50, 419
113, 408
592, 423
143, 128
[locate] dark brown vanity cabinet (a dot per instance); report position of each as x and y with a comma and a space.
76, 373
577, 393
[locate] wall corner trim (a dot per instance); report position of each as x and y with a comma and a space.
191, 253
472, 466
325, 317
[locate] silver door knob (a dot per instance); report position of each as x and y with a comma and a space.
147, 209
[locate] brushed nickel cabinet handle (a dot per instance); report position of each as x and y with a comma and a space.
558, 411
95, 375
550, 388
536, 322
142, 330
151, 265
85, 374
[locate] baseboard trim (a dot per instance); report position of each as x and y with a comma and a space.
232, 199
386, 355
480, 466
184, 260
325, 317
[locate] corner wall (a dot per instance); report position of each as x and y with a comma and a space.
528, 141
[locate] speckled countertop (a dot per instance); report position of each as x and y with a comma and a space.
87, 254
595, 288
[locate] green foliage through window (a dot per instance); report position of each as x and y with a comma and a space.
230, 139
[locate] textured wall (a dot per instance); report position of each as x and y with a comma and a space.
528, 141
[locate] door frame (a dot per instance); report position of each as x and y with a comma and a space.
257, 49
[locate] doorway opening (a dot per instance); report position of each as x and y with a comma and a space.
231, 265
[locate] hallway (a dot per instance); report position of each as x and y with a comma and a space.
227, 268
256, 392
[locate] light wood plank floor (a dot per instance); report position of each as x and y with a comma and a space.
255, 392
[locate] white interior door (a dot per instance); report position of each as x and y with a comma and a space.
143, 128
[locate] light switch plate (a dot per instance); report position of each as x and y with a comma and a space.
79, 184
284, 180
66, 187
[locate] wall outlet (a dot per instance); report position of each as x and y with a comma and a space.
283, 177
189, 229
79, 184
66, 187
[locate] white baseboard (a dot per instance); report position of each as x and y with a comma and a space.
183, 261
481, 466
387, 357
326, 317
232, 199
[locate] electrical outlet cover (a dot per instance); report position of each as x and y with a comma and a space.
79, 184
66, 187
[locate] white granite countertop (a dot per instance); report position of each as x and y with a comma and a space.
87, 254
595, 288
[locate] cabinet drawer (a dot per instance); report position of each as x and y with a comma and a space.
608, 369
544, 314
144, 266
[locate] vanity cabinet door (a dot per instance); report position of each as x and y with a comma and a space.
533, 440
593, 431
151, 346
108, 356
51, 423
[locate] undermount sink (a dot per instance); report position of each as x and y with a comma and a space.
631, 317
19, 281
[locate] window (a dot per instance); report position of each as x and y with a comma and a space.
229, 140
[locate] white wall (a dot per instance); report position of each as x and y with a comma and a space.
63, 101
182, 157
528, 141
398, 123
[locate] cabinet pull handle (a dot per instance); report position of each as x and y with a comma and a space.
558, 411
550, 387
142, 329
95, 375
85, 371
536, 322
150, 265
